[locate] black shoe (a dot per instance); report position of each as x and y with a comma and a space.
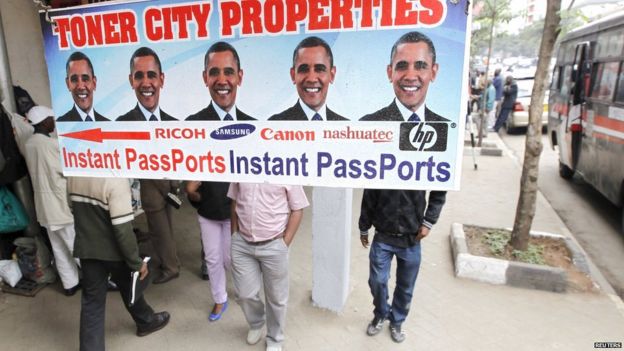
374, 327
205, 276
159, 321
72, 291
396, 333
165, 277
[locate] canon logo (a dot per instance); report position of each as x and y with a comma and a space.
287, 135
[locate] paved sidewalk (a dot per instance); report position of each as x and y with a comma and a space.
447, 313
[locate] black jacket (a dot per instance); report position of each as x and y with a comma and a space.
136, 115
296, 113
210, 114
73, 116
214, 203
392, 113
401, 212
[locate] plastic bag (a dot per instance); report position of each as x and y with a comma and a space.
34, 260
10, 272
13, 218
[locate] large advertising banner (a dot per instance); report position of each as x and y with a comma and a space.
339, 93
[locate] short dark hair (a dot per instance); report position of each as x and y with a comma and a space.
311, 42
142, 52
78, 56
414, 37
221, 46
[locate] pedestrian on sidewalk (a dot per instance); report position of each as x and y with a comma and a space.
42, 155
490, 106
510, 93
265, 218
402, 218
213, 213
106, 245
498, 85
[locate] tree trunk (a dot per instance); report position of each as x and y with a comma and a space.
482, 115
525, 210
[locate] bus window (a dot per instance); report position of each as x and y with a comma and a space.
609, 44
555, 83
566, 80
619, 94
605, 74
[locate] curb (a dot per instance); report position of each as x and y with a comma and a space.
502, 272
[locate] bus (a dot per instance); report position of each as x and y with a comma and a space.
586, 114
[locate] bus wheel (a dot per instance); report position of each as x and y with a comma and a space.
565, 172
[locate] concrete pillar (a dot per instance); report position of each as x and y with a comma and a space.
331, 246
21, 188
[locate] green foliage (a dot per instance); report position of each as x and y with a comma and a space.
497, 240
526, 42
534, 254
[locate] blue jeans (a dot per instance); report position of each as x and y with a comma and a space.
408, 264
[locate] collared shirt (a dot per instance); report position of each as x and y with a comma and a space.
83, 114
147, 114
407, 113
263, 209
310, 112
222, 113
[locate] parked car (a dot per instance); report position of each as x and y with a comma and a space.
519, 118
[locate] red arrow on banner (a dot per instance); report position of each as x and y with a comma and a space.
97, 135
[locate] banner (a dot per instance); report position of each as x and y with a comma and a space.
340, 93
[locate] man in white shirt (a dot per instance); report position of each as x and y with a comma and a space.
50, 191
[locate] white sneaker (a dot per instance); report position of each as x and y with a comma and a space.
274, 348
254, 335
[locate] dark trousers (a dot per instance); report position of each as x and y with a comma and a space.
502, 118
160, 225
94, 288
408, 265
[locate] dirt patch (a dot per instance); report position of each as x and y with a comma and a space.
555, 254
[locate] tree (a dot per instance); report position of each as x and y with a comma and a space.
493, 12
525, 210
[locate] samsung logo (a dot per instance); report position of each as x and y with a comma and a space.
232, 131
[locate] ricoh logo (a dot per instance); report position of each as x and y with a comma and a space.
233, 131
424, 136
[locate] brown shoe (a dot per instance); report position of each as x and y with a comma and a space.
159, 321
165, 277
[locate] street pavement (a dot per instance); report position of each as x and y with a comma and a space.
447, 313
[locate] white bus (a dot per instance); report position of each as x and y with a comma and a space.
586, 115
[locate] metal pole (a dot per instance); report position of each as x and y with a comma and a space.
21, 188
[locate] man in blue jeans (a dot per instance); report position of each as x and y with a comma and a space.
402, 218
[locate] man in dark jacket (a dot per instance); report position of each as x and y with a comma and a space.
106, 245
402, 218
510, 93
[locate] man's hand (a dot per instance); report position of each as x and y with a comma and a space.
143, 272
422, 232
364, 240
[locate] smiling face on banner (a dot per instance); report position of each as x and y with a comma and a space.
410, 72
81, 84
312, 74
222, 77
146, 79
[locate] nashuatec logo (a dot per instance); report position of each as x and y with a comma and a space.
233, 131
423, 136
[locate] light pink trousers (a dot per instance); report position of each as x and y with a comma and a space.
216, 239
